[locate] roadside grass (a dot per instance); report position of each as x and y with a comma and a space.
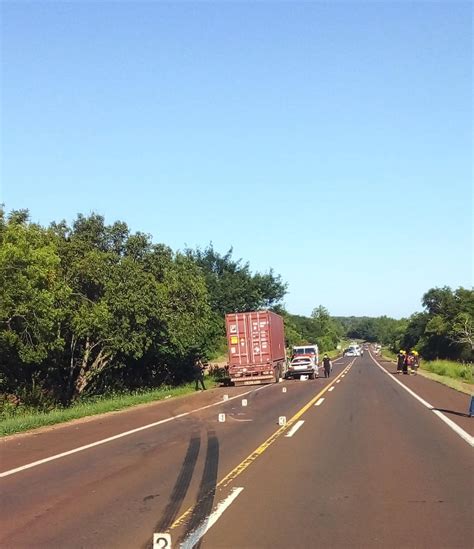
388, 354
20, 421
345, 343
332, 354
448, 368
335, 353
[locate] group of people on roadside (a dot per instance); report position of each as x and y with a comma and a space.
408, 362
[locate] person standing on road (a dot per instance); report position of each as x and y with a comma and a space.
400, 360
199, 374
406, 363
416, 362
327, 366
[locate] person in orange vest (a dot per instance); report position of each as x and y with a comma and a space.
416, 362
409, 363
406, 363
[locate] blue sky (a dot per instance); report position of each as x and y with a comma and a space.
328, 141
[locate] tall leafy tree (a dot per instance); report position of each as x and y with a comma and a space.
32, 298
444, 329
232, 286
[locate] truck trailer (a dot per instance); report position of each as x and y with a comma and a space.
256, 344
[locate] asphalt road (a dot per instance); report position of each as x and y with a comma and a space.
368, 466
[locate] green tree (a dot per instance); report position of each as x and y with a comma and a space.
444, 329
462, 330
32, 299
231, 285
90, 307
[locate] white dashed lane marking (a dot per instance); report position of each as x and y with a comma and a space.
295, 427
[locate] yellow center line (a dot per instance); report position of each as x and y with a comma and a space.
240, 468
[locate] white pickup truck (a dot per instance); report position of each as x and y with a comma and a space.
305, 361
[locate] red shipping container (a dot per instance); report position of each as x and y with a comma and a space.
256, 344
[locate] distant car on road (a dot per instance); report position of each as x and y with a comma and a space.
353, 351
303, 365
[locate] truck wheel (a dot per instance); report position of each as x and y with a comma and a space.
277, 374
312, 376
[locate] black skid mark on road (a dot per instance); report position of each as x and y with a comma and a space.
461, 414
207, 489
150, 497
182, 484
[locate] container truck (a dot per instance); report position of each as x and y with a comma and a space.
256, 344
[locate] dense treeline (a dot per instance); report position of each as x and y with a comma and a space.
93, 308
444, 329
381, 329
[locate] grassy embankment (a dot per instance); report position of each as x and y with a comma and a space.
453, 374
335, 353
16, 420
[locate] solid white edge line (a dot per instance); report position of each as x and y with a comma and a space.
449, 422
121, 435
320, 401
295, 427
331, 388
193, 538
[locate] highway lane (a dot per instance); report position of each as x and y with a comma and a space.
366, 466
118, 493
370, 467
